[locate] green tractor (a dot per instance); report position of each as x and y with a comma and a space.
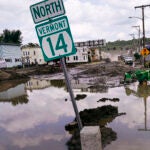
140, 75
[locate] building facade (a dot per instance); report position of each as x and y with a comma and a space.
91, 43
81, 56
11, 54
32, 54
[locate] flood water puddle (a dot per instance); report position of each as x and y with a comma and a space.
33, 115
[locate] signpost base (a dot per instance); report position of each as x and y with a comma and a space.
71, 93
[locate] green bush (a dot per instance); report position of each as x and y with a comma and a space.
137, 56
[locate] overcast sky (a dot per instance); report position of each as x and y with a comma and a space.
88, 19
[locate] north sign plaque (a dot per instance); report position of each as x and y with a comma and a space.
47, 10
55, 39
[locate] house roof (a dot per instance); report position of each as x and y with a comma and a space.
29, 45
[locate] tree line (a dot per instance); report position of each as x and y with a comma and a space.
124, 45
11, 36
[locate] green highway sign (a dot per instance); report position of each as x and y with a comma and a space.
55, 39
46, 10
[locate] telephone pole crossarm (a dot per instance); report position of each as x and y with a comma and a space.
142, 6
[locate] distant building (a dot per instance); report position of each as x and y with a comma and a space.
81, 56
94, 54
91, 43
11, 54
32, 54
93, 48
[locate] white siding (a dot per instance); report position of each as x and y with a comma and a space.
34, 54
81, 56
11, 54
2, 63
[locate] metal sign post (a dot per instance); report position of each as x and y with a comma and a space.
71, 93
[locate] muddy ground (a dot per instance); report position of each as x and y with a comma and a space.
105, 72
111, 70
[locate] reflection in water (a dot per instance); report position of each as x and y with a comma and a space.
80, 96
37, 84
18, 100
39, 125
143, 91
78, 84
92, 85
91, 117
16, 95
34, 83
58, 83
96, 89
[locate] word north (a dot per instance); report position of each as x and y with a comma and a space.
47, 10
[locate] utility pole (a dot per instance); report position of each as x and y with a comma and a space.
142, 7
139, 41
133, 41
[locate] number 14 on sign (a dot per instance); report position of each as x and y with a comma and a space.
60, 45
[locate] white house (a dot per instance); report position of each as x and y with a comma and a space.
81, 56
32, 54
11, 54
34, 83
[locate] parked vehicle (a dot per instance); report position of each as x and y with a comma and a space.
122, 57
128, 60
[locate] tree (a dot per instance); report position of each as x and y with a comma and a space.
1, 37
13, 36
137, 56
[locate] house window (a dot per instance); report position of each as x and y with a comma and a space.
8, 60
35, 61
68, 58
24, 53
37, 83
17, 60
75, 57
30, 83
28, 53
34, 52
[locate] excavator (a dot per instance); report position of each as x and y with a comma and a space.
137, 75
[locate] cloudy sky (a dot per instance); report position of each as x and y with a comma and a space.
88, 19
